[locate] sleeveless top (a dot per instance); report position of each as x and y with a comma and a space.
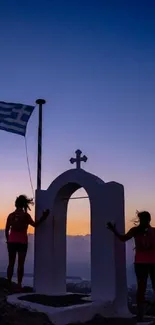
19, 226
145, 246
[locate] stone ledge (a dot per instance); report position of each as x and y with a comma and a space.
72, 314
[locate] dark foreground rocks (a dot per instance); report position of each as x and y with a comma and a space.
12, 315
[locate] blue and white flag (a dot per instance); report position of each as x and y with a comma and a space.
14, 117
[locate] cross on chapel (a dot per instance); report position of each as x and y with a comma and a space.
78, 159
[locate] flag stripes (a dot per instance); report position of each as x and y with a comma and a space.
14, 117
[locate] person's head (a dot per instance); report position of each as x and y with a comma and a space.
144, 218
23, 202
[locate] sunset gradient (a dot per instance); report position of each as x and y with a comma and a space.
93, 61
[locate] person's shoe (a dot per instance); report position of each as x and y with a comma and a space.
139, 319
140, 314
19, 288
9, 287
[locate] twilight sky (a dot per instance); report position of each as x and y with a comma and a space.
94, 63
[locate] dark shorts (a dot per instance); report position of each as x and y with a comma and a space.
143, 271
17, 248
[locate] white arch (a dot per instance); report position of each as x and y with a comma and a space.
108, 274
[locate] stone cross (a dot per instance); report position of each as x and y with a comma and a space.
78, 159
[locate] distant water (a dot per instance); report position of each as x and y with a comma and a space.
28, 279
77, 282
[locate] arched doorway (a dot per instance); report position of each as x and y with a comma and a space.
108, 273
78, 242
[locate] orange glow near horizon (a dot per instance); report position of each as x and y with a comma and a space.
78, 215
78, 220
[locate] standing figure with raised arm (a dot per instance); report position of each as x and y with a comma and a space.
144, 265
16, 235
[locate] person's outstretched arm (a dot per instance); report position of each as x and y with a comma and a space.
38, 222
7, 227
123, 237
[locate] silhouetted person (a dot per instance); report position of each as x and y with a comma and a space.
16, 235
144, 236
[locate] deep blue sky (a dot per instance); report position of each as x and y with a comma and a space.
94, 63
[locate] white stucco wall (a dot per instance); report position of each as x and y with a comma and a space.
108, 274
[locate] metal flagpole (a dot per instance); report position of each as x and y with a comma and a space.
40, 102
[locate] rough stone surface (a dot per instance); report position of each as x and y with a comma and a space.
11, 315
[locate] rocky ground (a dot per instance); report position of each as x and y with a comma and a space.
11, 315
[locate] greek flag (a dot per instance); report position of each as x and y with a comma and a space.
14, 117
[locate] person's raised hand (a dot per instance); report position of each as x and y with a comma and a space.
46, 213
111, 226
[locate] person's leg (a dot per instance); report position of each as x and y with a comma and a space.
141, 271
12, 259
22, 251
152, 275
